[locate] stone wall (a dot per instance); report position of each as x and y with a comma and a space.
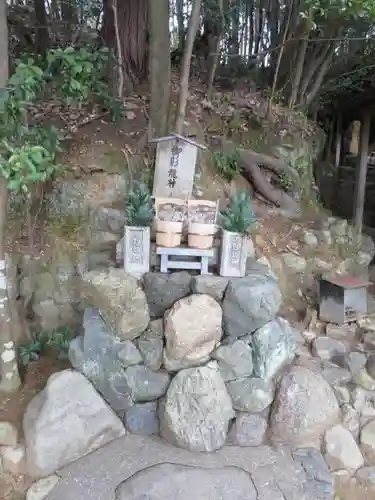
182, 355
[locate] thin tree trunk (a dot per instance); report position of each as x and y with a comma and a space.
216, 56
281, 51
120, 61
312, 69
259, 28
9, 376
319, 78
160, 67
251, 22
298, 73
185, 72
180, 23
42, 39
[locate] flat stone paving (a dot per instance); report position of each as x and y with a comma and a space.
274, 473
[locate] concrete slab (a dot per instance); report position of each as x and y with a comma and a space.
96, 476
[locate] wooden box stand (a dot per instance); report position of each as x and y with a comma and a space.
201, 263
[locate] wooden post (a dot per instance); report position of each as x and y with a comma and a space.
338, 140
328, 144
361, 175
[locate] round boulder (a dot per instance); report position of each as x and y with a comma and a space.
192, 330
197, 409
304, 408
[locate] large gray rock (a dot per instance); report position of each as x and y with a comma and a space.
163, 290
120, 299
146, 385
250, 394
368, 441
234, 360
40, 489
76, 196
247, 430
64, 422
129, 355
142, 419
96, 356
274, 346
250, 302
150, 343
197, 409
319, 481
210, 285
305, 407
183, 482
326, 348
192, 330
108, 219
342, 451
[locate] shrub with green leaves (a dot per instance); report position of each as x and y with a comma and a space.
238, 216
138, 206
80, 73
59, 338
226, 164
30, 351
24, 165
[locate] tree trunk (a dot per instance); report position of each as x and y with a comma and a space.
42, 39
215, 57
133, 20
9, 376
310, 71
319, 78
281, 51
185, 71
298, 73
273, 15
160, 68
120, 59
180, 23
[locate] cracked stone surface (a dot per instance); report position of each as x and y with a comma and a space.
132, 467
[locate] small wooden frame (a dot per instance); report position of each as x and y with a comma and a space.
201, 264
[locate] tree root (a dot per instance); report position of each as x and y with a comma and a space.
252, 172
250, 162
275, 165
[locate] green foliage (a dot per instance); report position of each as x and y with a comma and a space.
226, 164
30, 351
59, 338
138, 206
27, 154
24, 165
80, 75
24, 86
299, 160
238, 216
347, 9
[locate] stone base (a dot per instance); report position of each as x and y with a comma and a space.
268, 474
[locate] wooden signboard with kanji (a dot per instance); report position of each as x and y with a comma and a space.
176, 158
